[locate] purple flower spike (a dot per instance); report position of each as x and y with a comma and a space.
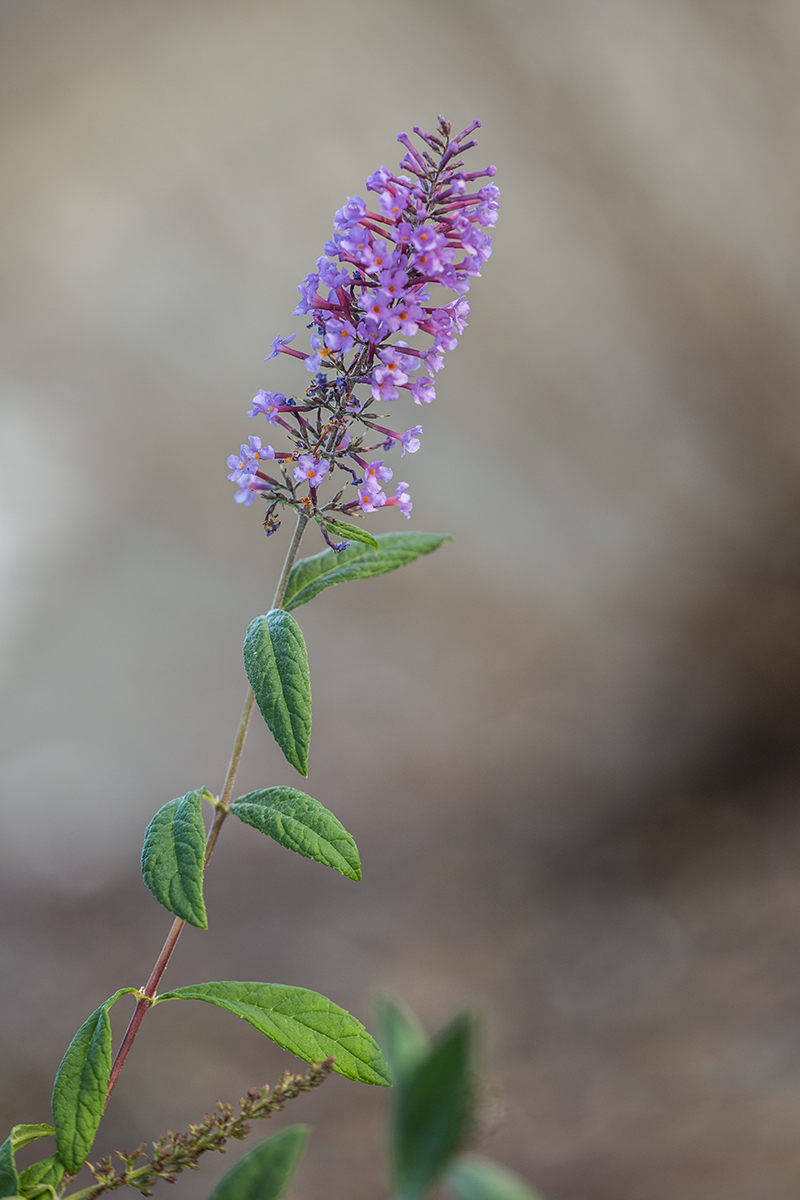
380, 324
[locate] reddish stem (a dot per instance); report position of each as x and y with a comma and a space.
147, 994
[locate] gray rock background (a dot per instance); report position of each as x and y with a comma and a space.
566, 744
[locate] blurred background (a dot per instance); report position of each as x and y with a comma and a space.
567, 744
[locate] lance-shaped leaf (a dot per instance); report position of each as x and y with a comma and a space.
276, 663
172, 857
312, 575
266, 1172
80, 1088
433, 1112
310, 1025
402, 1039
37, 1179
353, 533
301, 824
473, 1177
21, 1135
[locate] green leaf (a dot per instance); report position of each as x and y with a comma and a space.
9, 1180
402, 1038
79, 1091
310, 1025
277, 666
301, 824
473, 1177
353, 533
21, 1135
312, 575
433, 1112
42, 1175
266, 1172
172, 857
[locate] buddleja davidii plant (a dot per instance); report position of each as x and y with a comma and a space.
377, 271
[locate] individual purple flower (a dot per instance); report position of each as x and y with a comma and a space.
244, 463
393, 281
357, 242
350, 214
410, 442
394, 201
422, 390
460, 311
256, 451
402, 500
268, 403
331, 275
376, 305
405, 317
308, 294
379, 179
387, 377
240, 468
432, 262
314, 361
370, 501
371, 329
339, 335
375, 473
378, 257
311, 470
277, 346
246, 494
433, 361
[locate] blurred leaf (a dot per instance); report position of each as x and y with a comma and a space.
266, 1172
353, 533
310, 1025
312, 575
433, 1111
37, 1178
301, 824
79, 1091
9, 1180
473, 1177
401, 1036
277, 666
172, 857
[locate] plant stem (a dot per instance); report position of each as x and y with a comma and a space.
148, 992
280, 591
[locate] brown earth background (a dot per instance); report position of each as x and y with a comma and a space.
567, 744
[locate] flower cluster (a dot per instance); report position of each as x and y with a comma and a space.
370, 292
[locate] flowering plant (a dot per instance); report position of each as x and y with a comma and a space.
378, 276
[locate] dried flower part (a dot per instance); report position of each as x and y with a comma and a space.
176, 1152
370, 292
